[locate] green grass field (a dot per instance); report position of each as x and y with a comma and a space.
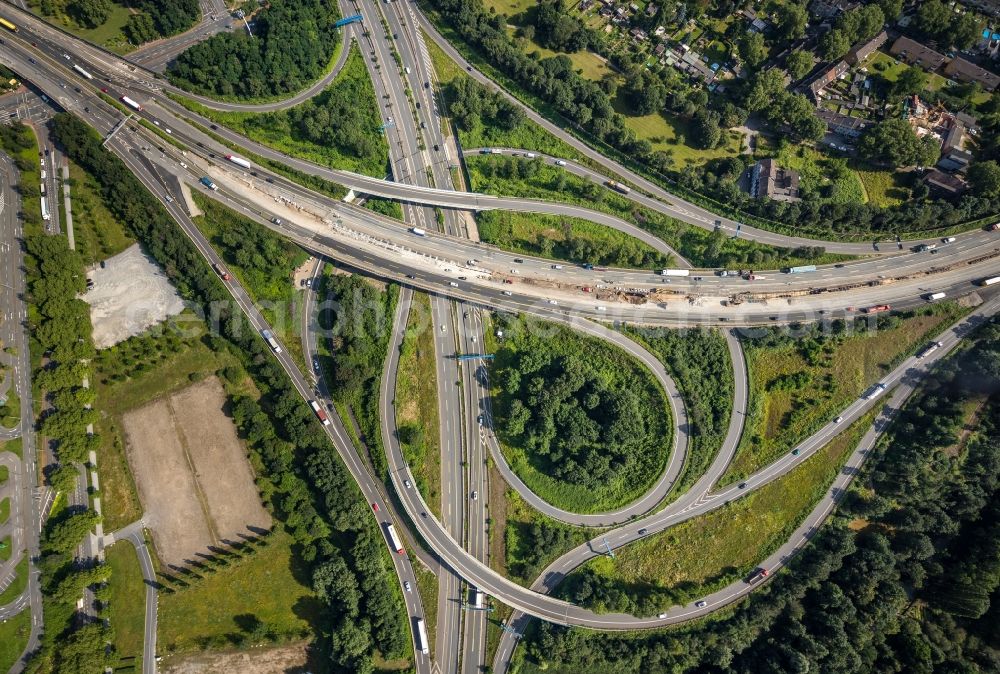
98, 235
127, 605
416, 402
13, 446
794, 390
829, 177
108, 35
4, 474
617, 369
14, 634
427, 586
10, 411
700, 247
561, 237
268, 586
6, 551
528, 135
4, 510
708, 552
670, 134
884, 188
282, 130
15, 589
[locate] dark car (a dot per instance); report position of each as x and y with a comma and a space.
642, 532
743, 485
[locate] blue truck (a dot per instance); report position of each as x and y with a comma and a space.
800, 270
207, 182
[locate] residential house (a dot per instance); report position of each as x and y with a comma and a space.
634, 7
914, 53
945, 184
842, 125
651, 10
863, 50
691, 63
769, 180
638, 34
967, 71
954, 155
660, 49
827, 77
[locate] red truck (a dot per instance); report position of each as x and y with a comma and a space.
757, 575
878, 308
223, 274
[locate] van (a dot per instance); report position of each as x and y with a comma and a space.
948, 239
407, 69
530, 155
557, 266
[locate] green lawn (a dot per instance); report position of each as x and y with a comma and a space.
509, 8
15, 589
4, 473
796, 386
670, 134
13, 445
108, 35
829, 177
288, 130
427, 586
494, 175
616, 370
6, 551
565, 238
98, 235
10, 411
14, 634
416, 402
127, 604
706, 553
884, 188
265, 586
528, 136
4, 510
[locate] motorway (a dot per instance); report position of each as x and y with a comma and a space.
473, 569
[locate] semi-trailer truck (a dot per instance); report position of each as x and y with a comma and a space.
394, 543
929, 349
266, 334
207, 182
223, 274
802, 269
618, 187
82, 72
422, 637
874, 392
878, 308
130, 103
320, 414
990, 281
675, 272
757, 575
239, 161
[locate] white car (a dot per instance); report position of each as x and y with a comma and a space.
452, 284
662, 616
507, 293
407, 586
838, 420
406, 483
553, 302
475, 496
701, 604
602, 308
948, 239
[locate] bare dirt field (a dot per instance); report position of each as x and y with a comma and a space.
130, 294
193, 478
282, 660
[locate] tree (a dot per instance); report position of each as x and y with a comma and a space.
891, 9
834, 44
933, 18
792, 21
965, 30
705, 129
894, 143
645, 92
984, 177
91, 13
558, 30
753, 49
913, 80
799, 63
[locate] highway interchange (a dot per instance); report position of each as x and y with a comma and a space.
438, 261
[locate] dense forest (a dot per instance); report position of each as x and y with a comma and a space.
582, 415
588, 107
293, 43
148, 20
904, 579
304, 481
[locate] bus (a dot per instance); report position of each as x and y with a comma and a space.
8, 25
422, 637
990, 281
394, 543
82, 72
